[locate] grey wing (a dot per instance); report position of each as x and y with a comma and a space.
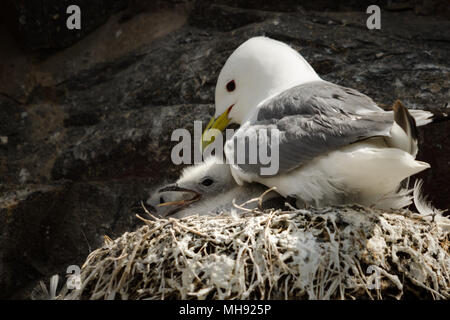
317, 97
310, 120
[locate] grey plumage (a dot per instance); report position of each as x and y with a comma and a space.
313, 119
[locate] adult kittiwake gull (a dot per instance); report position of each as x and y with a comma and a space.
336, 146
207, 188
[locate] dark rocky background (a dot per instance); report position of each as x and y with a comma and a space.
86, 116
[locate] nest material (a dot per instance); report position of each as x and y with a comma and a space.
334, 253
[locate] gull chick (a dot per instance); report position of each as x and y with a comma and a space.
204, 189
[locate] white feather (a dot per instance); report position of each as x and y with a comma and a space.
420, 201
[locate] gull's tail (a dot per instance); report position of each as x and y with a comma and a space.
404, 131
404, 134
421, 117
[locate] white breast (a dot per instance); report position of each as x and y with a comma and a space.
360, 173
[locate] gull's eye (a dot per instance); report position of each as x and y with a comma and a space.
207, 182
161, 200
231, 86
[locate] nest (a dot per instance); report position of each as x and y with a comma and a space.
334, 253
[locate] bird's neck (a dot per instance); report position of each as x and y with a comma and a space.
249, 112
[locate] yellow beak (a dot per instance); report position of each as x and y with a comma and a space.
215, 127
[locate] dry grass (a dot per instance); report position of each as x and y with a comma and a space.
333, 253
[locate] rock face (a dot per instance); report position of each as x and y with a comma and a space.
43, 25
85, 132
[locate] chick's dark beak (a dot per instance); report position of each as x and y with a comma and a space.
180, 203
175, 187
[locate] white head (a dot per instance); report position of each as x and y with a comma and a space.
256, 70
209, 177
